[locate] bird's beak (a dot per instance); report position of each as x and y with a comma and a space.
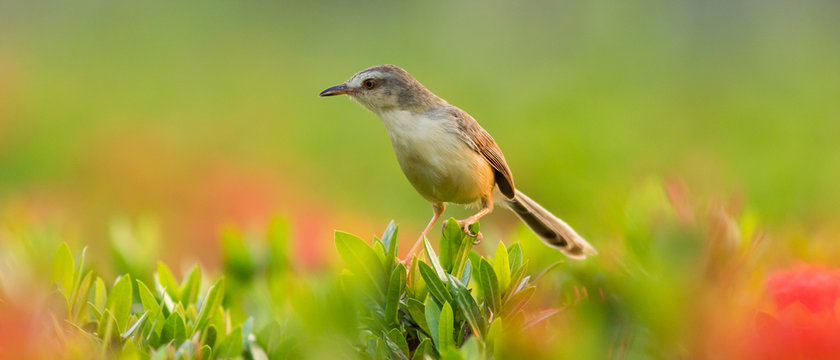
335, 90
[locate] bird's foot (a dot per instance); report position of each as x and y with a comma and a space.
466, 224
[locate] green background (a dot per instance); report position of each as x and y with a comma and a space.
127, 108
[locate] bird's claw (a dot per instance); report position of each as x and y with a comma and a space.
468, 232
478, 238
465, 224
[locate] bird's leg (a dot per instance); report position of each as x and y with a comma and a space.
438, 211
486, 208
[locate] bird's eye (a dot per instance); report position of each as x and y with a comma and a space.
369, 84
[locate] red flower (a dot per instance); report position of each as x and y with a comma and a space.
805, 325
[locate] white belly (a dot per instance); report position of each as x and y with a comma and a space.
437, 162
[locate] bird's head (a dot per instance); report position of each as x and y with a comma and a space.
386, 87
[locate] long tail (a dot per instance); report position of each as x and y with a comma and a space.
550, 229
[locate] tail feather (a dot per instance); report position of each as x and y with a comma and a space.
550, 229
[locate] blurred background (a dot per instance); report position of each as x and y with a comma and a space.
186, 118
199, 114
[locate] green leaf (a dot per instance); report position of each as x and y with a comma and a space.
379, 250
467, 305
502, 266
518, 281
164, 276
517, 301
381, 350
78, 275
218, 318
208, 336
389, 240
156, 327
131, 350
107, 328
436, 287
396, 287
247, 326
231, 345
192, 284
397, 346
471, 350
362, 261
494, 334
191, 314
150, 305
433, 259
271, 337
162, 353
460, 330
119, 301
185, 351
416, 282
205, 353
475, 260
450, 242
100, 294
210, 304
166, 302
136, 326
432, 318
489, 286
465, 274
174, 330
461, 256
515, 257
451, 353
96, 313
63, 270
153, 336
78, 310
423, 350
285, 350
417, 313
446, 327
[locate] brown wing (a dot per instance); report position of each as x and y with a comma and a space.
483, 143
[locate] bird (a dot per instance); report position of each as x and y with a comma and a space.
449, 158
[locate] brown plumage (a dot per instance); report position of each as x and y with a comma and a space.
480, 141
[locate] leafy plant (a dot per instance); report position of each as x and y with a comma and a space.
171, 321
448, 306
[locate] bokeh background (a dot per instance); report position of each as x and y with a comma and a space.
185, 118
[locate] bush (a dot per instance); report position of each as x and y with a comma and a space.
451, 306
447, 306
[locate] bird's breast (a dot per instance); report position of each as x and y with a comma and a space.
436, 160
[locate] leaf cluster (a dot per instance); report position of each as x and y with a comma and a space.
447, 306
163, 320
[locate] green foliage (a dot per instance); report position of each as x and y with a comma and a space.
363, 262
641, 299
441, 307
163, 325
447, 307
446, 327
231, 345
63, 269
119, 301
